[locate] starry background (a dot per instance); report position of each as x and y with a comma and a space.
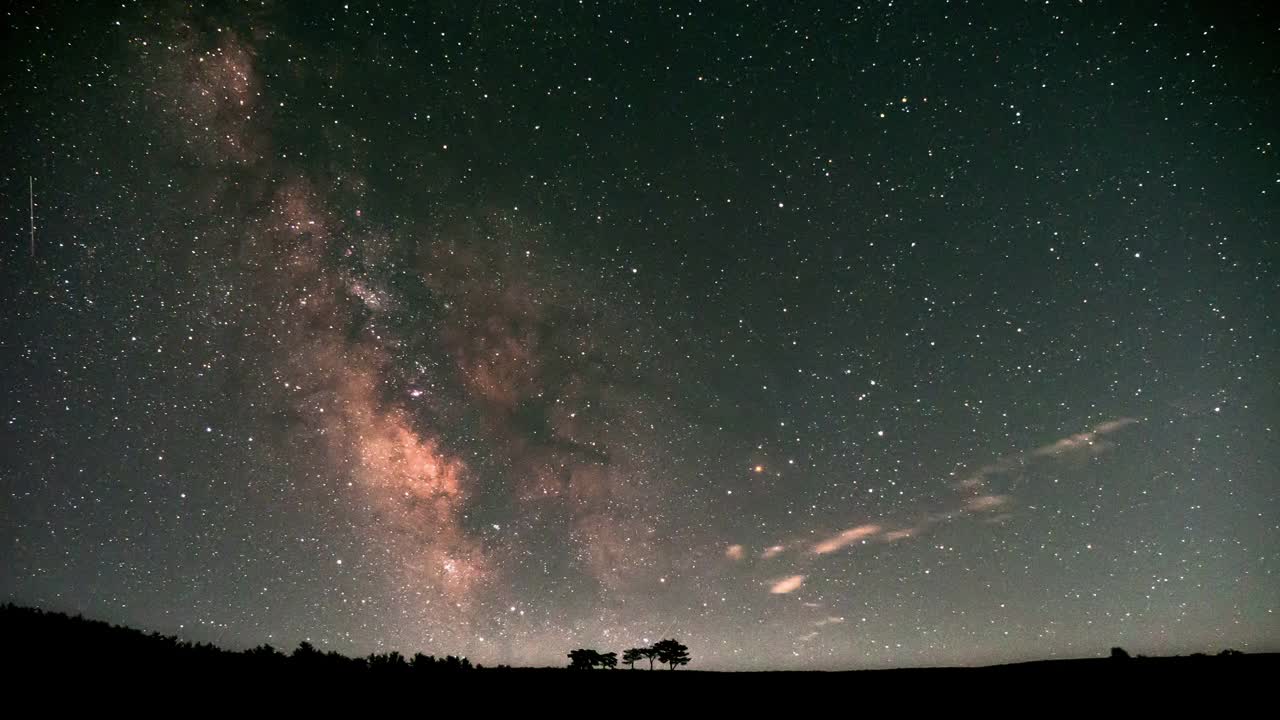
816, 336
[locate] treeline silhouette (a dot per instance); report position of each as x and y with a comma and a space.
50, 637
40, 645
34, 630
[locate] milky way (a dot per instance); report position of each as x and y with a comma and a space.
814, 336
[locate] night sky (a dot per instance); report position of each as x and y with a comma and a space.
813, 336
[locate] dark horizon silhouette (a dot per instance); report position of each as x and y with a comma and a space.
38, 640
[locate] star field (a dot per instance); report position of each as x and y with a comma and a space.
816, 335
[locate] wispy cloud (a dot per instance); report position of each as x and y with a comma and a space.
1113, 425
983, 503
818, 625
1079, 441
848, 537
787, 585
973, 500
1087, 443
871, 531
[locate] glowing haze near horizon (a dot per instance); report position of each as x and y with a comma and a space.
814, 336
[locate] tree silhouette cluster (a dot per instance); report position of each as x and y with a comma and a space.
1119, 654
583, 659
668, 652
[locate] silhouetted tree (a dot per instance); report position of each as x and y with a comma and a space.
306, 656
1230, 653
1118, 653
391, 663
632, 656
422, 663
650, 653
582, 659
672, 653
265, 653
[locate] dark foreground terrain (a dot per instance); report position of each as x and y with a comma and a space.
42, 649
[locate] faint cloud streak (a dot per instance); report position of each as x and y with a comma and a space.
983, 503
848, 537
994, 508
787, 585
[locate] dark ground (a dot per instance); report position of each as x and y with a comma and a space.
48, 650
